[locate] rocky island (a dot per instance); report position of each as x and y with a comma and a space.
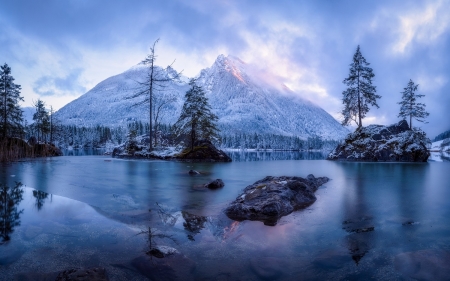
271, 198
394, 143
203, 151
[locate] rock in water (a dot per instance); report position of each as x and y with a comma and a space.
395, 143
218, 183
81, 274
193, 172
271, 198
204, 151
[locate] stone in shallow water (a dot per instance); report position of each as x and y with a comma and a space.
271, 198
82, 274
424, 264
217, 183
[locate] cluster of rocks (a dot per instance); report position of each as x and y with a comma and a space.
395, 143
271, 198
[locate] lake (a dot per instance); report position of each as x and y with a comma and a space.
371, 220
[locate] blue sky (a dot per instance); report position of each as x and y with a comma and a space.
58, 50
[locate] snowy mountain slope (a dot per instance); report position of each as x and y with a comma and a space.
28, 114
246, 100
108, 104
442, 145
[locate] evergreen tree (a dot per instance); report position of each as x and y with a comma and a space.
10, 113
360, 92
196, 119
409, 107
41, 120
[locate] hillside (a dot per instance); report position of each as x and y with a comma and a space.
239, 94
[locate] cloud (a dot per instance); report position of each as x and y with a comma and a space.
60, 50
422, 24
60, 86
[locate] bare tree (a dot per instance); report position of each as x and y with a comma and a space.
156, 80
161, 103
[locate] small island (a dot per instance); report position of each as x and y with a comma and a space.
195, 128
395, 143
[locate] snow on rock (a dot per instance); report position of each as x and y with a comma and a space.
244, 99
395, 143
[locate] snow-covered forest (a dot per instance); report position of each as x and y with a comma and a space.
66, 136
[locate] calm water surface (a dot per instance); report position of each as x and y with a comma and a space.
372, 220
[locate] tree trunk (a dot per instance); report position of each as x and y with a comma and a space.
192, 136
151, 97
359, 104
4, 110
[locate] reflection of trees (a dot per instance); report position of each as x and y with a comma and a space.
40, 198
9, 215
358, 223
247, 156
193, 223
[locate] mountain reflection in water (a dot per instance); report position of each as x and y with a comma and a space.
370, 221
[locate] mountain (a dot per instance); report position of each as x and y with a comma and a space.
246, 100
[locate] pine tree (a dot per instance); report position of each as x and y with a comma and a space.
41, 120
409, 107
196, 119
10, 113
360, 92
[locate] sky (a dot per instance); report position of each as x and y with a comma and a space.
58, 50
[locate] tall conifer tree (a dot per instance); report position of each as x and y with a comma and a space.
41, 120
196, 119
10, 113
360, 92
409, 107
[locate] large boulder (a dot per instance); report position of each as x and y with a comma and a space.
271, 198
395, 143
204, 151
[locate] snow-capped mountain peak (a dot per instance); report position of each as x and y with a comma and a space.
247, 99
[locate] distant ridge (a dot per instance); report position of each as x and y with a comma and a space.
245, 99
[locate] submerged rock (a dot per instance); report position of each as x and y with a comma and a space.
217, 183
395, 143
271, 198
82, 274
193, 172
162, 251
204, 151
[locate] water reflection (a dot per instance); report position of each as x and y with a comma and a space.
84, 152
193, 224
245, 155
358, 221
9, 215
40, 198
